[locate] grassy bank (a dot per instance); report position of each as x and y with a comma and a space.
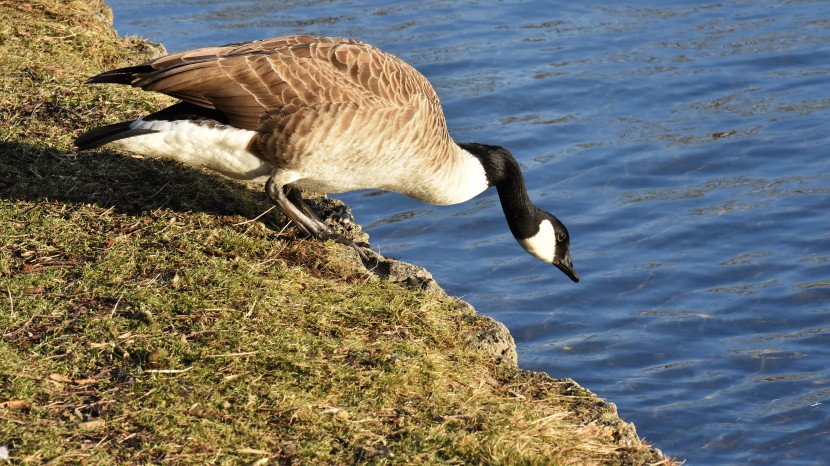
150, 313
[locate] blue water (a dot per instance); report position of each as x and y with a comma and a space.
685, 146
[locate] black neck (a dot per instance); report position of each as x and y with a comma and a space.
504, 173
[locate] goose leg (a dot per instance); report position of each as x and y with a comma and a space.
296, 197
290, 200
308, 224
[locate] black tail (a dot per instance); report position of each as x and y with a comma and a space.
121, 75
106, 134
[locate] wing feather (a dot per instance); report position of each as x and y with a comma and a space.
246, 81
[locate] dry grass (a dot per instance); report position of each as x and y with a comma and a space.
144, 319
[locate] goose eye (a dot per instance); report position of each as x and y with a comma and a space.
560, 237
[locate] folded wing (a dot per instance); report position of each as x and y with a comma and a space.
247, 81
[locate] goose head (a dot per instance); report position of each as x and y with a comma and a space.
539, 232
550, 243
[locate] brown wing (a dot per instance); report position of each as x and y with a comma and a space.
246, 81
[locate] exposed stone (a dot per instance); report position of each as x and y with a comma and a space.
146, 51
493, 339
337, 215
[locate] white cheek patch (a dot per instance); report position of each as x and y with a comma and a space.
542, 245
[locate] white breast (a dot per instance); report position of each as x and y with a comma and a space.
374, 154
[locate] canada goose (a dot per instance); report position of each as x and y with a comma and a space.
324, 114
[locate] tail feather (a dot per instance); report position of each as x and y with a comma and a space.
106, 134
121, 75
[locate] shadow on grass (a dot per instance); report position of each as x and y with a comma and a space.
127, 185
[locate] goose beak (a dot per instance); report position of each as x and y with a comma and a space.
567, 267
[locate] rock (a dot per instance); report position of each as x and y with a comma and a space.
493, 339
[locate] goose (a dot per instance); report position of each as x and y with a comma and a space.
326, 115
